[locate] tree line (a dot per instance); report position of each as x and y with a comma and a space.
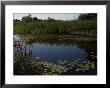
86, 23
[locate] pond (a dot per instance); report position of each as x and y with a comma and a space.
56, 52
53, 51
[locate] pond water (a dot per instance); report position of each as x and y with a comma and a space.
65, 53
54, 52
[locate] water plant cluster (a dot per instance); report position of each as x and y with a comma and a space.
26, 65
82, 31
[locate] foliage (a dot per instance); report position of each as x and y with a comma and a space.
28, 66
32, 25
25, 65
88, 16
82, 29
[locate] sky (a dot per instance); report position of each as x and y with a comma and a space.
57, 16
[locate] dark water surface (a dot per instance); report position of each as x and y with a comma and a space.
56, 52
53, 51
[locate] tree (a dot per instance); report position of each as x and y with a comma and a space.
35, 19
89, 16
27, 19
35, 26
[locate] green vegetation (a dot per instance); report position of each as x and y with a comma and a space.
29, 66
85, 26
81, 31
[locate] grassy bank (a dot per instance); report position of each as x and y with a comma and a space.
29, 38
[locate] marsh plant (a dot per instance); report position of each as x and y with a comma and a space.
53, 46
29, 66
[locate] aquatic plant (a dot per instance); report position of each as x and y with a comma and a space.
78, 64
25, 65
28, 66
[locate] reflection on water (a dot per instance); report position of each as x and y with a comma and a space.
56, 52
67, 54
